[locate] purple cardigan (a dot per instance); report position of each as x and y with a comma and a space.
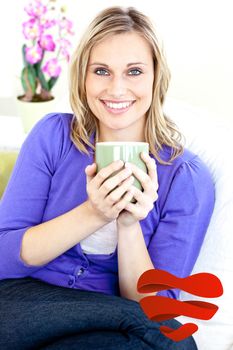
49, 179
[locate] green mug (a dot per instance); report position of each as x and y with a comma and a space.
128, 151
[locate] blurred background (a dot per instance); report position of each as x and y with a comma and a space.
197, 37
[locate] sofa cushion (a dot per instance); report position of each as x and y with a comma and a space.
7, 162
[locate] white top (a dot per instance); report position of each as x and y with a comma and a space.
102, 241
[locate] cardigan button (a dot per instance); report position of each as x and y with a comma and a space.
80, 272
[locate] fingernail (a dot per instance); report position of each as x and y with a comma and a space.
120, 162
128, 165
90, 165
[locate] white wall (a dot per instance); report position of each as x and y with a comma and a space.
197, 37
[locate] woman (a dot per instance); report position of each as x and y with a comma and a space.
63, 285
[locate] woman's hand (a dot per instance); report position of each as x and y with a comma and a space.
146, 199
108, 196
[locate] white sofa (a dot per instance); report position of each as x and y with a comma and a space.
213, 142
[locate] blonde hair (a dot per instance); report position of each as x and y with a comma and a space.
159, 129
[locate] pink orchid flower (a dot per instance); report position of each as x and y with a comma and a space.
65, 54
47, 43
35, 8
64, 48
33, 54
47, 23
52, 68
66, 25
32, 29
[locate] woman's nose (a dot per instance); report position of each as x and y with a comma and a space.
117, 86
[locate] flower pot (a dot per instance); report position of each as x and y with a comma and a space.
31, 112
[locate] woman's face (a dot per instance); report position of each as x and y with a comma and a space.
119, 84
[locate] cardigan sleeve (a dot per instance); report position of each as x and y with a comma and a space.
24, 200
184, 219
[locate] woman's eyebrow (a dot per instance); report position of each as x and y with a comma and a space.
128, 65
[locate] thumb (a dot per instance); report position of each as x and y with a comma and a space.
90, 171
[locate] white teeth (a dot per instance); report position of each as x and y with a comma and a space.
118, 105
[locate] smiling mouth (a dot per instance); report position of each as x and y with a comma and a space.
119, 107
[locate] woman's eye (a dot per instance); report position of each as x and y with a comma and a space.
138, 72
100, 71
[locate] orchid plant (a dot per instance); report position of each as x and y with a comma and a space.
46, 33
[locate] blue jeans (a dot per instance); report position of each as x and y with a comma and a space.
38, 315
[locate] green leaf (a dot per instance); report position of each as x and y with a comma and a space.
52, 81
23, 80
26, 63
36, 69
38, 64
28, 79
32, 78
43, 81
32, 70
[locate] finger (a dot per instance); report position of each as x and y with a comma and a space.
151, 166
148, 181
142, 177
142, 207
145, 201
90, 171
119, 206
141, 198
114, 181
104, 173
116, 195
